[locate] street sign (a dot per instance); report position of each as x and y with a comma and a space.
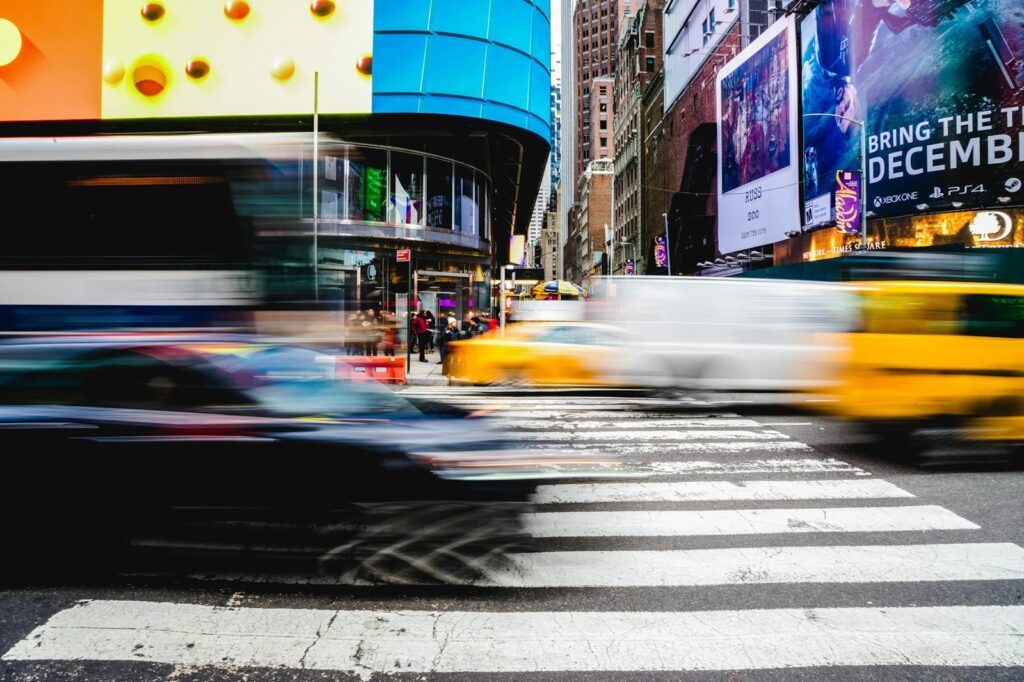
403, 255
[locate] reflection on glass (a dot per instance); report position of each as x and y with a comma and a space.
406, 188
467, 202
366, 184
439, 194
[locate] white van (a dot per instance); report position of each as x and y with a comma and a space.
727, 333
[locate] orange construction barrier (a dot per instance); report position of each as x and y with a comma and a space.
386, 369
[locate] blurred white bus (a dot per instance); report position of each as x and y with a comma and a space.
131, 231
727, 333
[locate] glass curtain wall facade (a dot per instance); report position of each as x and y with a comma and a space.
373, 200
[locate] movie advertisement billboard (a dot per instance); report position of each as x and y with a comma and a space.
758, 175
941, 83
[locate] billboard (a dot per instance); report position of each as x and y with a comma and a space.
941, 83
122, 59
984, 229
128, 60
758, 177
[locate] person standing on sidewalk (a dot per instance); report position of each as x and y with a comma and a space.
421, 330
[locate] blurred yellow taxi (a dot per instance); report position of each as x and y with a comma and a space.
552, 354
927, 352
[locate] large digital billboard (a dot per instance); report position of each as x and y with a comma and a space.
941, 83
129, 60
758, 175
125, 59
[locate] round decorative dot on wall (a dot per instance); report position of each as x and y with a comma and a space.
10, 42
113, 71
364, 64
197, 69
322, 8
282, 68
150, 80
236, 10
153, 11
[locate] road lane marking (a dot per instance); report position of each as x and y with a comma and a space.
742, 522
751, 466
645, 423
626, 450
367, 643
715, 491
764, 565
652, 435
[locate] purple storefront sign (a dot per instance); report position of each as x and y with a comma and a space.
847, 194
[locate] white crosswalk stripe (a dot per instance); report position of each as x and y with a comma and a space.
370, 642
742, 522
716, 491
763, 565
733, 492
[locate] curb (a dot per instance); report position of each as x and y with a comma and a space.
427, 381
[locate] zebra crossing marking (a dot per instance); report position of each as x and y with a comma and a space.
715, 491
367, 642
742, 522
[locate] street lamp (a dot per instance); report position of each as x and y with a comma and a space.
863, 173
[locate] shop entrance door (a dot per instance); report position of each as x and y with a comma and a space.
445, 292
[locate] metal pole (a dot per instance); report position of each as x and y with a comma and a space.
316, 184
501, 297
863, 188
668, 248
408, 318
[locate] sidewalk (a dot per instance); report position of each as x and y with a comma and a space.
426, 373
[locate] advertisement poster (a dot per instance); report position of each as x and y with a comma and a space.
847, 208
758, 179
660, 252
941, 83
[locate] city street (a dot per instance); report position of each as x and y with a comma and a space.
762, 543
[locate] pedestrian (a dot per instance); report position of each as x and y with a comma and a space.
448, 334
432, 327
371, 330
420, 329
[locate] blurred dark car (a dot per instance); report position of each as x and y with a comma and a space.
228, 451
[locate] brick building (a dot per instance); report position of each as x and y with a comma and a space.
681, 148
639, 60
593, 217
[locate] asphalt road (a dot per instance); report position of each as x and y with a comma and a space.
765, 544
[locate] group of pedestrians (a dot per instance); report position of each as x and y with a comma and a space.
370, 333
429, 333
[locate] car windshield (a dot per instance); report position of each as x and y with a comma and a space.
300, 382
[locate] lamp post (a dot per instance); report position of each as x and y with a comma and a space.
863, 173
668, 248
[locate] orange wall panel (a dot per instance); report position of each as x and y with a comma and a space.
55, 73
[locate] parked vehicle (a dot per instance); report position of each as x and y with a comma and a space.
726, 333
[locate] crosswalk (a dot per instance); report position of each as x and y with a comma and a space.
727, 503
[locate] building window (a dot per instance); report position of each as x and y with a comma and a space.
650, 63
602, 90
604, 124
604, 107
604, 141
649, 35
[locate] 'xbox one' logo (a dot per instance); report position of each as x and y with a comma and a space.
878, 202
